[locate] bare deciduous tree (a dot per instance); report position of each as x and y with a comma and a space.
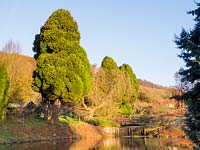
12, 47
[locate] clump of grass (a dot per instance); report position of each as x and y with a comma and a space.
126, 110
67, 119
98, 121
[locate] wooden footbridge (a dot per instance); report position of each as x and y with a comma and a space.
131, 125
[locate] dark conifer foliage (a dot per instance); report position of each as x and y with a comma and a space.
189, 43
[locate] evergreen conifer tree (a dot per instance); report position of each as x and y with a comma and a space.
63, 71
189, 43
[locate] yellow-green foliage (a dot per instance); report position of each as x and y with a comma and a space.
126, 68
67, 119
114, 89
108, 63
99, 121
4, 88
62, 70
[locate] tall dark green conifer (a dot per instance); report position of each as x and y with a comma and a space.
189, 43
63, 70
4, 90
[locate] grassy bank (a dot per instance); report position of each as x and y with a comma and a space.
38, 129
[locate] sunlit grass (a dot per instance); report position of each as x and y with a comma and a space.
99, 121
67, 119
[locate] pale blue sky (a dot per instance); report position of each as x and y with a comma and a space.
137, 32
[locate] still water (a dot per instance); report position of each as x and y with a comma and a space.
100, 144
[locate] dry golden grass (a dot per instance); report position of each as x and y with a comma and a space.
85, 130
159, 102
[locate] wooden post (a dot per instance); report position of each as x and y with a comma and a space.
131, 132
143, 131
23, 119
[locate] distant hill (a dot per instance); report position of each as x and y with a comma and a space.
29, 59
150, 84
20, 68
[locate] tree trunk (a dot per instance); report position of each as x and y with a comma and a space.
46, 110
55, 109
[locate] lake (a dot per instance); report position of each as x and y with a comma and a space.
100, 144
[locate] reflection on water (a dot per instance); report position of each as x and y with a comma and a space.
100, 144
